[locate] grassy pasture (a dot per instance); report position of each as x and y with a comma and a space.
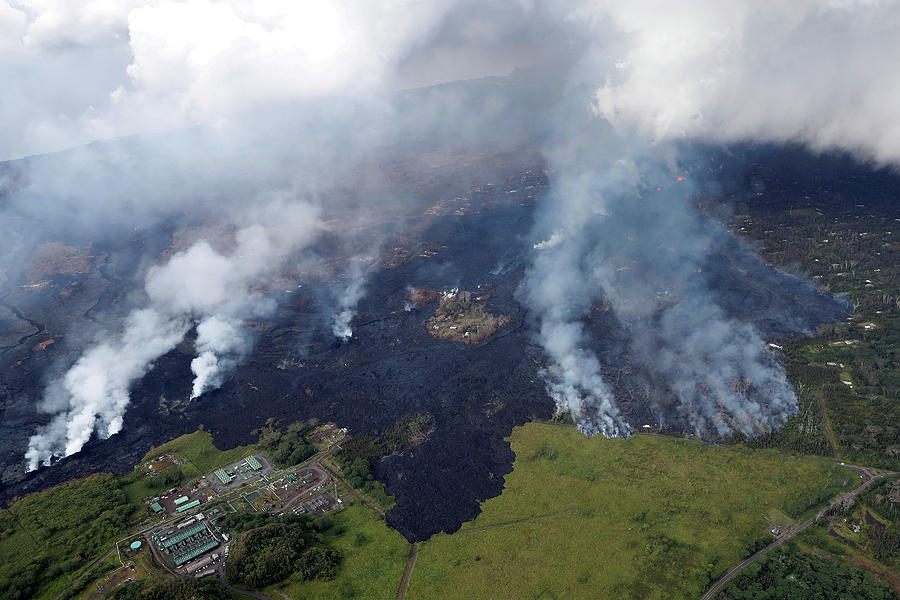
639, 518
374, 560
202, 456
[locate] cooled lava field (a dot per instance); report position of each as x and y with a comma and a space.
391, 367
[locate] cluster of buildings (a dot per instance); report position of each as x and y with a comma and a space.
190, 540
246, 470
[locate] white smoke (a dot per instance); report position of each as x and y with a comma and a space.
560, 298
93, 394
90, 69
346, 306
821, 73
196, 285
219, 345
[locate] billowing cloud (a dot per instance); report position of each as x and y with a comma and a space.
295, 91
820, 73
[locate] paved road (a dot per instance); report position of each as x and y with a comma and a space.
782, 539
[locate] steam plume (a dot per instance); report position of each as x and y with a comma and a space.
197, 284
346, 306
820, 73
219, 346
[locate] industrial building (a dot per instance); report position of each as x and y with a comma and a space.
189, 544
224, 477
188, 506
253, 463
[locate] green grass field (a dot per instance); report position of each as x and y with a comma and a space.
202, 458
200, 453
374, 560
639, 518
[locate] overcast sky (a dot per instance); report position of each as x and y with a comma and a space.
820, 72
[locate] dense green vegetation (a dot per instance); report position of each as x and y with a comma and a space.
287, 547
884, 537
359, 452
47, 539
286, 447
884, 497
852, 368
165, 479
638, 518
373, 564
208, 588
791, 574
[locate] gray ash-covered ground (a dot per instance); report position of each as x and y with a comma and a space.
391, 367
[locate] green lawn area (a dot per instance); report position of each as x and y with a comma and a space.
610, 518
202, 458
373, 564
200, 453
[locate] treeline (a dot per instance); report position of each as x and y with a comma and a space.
850, 250
280, 549
207, 588
408, 431
788, 573
359, 452
286, 446
57, 532
803, 433
884, 497
166, 479
885, 544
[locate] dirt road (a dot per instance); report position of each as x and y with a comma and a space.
414, 550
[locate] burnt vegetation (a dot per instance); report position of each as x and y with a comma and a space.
409, 431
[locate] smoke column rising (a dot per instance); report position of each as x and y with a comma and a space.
346, 306
819, 73
197, 285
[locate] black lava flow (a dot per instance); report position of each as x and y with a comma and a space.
392, 367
